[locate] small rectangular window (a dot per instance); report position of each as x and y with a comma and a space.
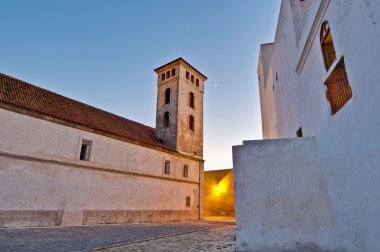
173, 72
85, 150
197, 82
187, 75
167, 74
192, 78
163, 77
186, 171
167, 167
188, 201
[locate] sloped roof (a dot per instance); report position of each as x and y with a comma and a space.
27, 96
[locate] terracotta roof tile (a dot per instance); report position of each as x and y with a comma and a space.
21, 94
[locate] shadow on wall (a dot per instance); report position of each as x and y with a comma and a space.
219, 193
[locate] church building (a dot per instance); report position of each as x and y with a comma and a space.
66, 163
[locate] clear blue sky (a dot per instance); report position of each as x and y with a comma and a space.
103, 53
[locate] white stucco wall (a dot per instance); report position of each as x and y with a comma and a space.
346, 144
281, 196
300, 12
300, 97
266, 90
307, 193
40, 170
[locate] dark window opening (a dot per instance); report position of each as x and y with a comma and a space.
191, 123
276, 77
188, 201
327, 45
197, 82
167, 167
338, 87
85, 150
187, 75
192, 78
299, 132
167, 74
163, 77
191, 99
186, 171
166, 119
173, 72
167, 96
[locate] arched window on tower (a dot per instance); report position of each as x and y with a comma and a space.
167, 96
191, 99
327, 45
191, 123
166, 119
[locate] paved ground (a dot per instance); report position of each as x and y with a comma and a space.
93, 237
218, 239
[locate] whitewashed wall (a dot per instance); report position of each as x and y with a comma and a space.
40, 170
266, 90
281, 197
300, 98
347, 144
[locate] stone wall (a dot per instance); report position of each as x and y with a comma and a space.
219, 193
91, 217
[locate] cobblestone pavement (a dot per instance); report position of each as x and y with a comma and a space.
92, 237
218, 239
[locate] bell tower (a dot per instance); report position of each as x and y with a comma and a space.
179, 113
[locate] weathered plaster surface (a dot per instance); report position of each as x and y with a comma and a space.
345, 148
280, 193
300, 11
266, 89
167, 134
30, 218
59, 181
189, 141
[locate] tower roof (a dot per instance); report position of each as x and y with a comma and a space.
181, 60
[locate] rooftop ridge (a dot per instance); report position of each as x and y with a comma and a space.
19, 93
71, 99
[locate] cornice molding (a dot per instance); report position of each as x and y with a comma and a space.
313, 32
88, 166
40, 116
